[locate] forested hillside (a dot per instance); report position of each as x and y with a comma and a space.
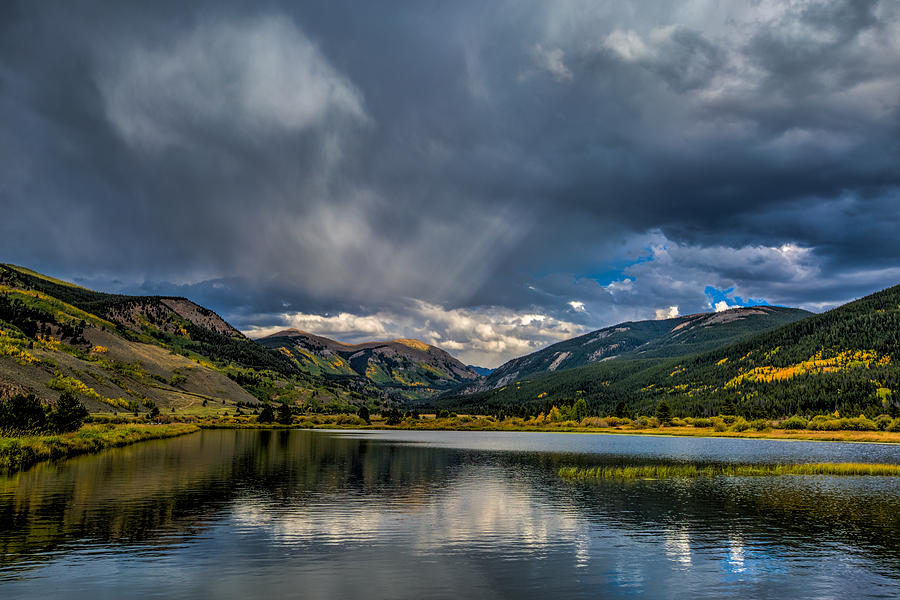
843, 360
679, 336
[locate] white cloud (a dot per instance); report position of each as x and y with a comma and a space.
551, 60
628, 45
486, 336
625, 285
721, 306
342, 324
577, 305
667, 278
667, 313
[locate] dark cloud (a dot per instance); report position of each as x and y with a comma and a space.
587, 163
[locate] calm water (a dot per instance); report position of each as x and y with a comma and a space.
298, 514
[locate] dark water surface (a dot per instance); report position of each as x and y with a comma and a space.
300, 514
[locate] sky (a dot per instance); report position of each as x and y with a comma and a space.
489, 177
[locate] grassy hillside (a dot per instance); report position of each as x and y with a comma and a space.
679, 336
407, 368
131, 353
843, 360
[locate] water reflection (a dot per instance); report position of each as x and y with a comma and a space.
245, 514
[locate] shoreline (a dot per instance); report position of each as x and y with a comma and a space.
800, 435
19, 453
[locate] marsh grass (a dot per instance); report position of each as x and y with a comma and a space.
21, 452
663, 471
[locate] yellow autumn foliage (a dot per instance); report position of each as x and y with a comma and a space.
46, 342
22, 356
848, 359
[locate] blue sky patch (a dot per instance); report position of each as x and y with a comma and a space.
716, 296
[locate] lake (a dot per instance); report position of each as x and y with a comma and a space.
405, 514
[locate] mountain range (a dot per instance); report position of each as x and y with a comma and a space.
842, 360
133, 353
662, 338
410, 368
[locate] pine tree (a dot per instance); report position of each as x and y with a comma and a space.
68, 414
266, 415
285, 414
663, 412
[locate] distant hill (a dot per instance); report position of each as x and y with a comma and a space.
843, 360
483, 371
132, 352
410, 368
679, 336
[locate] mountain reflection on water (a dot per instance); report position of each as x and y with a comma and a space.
244, 514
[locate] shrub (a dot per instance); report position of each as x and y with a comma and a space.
22, 414
364, 414
676, 422
759, 425
594, 422
883, 421
740, 424
702, 422
859, 423
894, 425
795, 422
824, 423
718, 424
349, 420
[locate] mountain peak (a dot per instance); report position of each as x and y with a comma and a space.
406, 366
415, 344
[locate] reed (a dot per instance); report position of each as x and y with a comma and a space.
667, 471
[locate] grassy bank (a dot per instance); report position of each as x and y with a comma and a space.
663, 471
20, 452
590, 425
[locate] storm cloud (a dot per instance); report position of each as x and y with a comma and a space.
489, 177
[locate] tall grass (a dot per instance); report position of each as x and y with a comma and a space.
20, 452
663, 471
